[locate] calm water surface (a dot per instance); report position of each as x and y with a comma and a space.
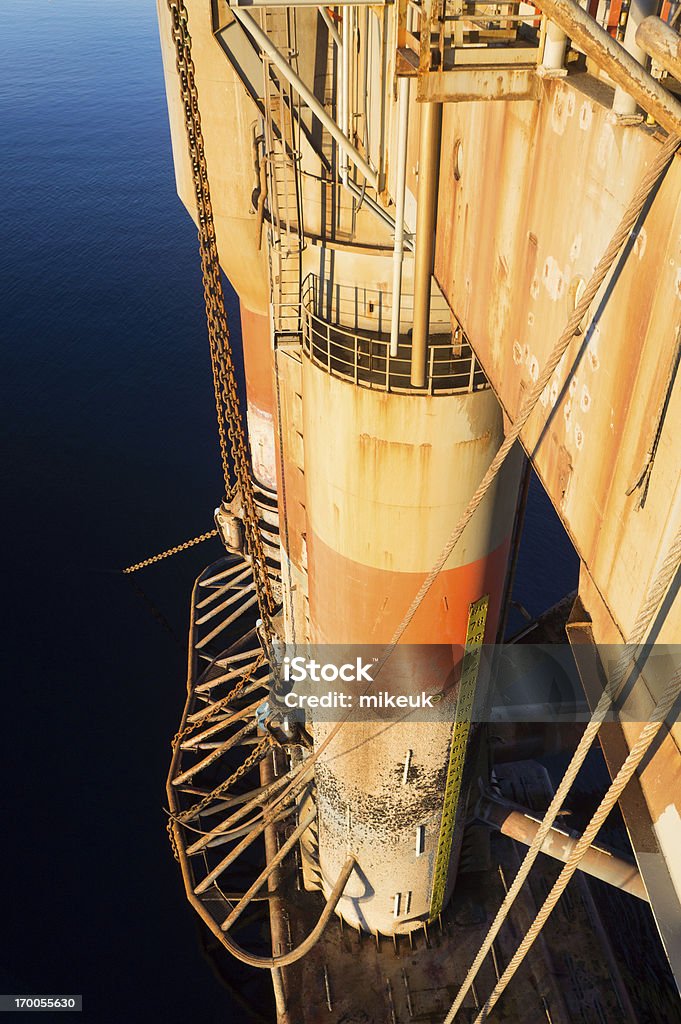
107, 407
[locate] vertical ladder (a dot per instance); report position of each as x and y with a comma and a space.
284, 193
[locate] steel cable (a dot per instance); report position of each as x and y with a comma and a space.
632, 212
634, 758
654, 595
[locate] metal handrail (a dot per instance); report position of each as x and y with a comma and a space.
346, 331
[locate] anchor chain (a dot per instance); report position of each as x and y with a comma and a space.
218, 705
232, 437
256, 755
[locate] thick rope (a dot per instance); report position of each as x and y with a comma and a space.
631, 215
653, 596
634, 758
652, 600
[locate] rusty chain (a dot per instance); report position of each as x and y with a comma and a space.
251, 760
171, 836
182, 734
231, 433
169, 552
184, 816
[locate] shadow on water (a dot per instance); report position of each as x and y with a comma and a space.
107, 401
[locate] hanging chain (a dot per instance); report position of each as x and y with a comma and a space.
170, 552
171, 837
219, 704
256, 755
230, 427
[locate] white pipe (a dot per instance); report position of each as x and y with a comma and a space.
400, 191
623, 103
554, 47
379, 212
345, 88
268, 47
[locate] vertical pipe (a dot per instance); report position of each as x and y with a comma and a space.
345, 88
623, 103
277, 908
426, 205
554, 47
400, 190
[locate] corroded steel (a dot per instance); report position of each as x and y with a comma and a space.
521, 824
371, 482
591, 433
233, 439
662, 43
613, 58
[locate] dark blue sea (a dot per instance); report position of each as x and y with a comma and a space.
110, 455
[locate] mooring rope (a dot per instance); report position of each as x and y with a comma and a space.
633, 211
654, 596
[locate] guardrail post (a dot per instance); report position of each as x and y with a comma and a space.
623, 103
472, 373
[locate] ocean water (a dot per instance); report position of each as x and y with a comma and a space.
110, 455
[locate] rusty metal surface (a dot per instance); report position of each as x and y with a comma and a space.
511, 255
611, 57
662, 43
469, 84
571, 974
522, 825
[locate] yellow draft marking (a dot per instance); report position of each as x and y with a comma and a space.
475, 635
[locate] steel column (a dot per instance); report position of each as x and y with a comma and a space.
624, 69
429, 165
400, 190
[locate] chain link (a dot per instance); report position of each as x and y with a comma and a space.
171, 836
231, 434
170, 551
246, 766
219, 705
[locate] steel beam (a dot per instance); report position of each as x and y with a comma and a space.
522, 825
609, 55
467, 84
283, 66
661, 43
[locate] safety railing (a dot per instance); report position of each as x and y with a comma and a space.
219, 796
439, 35
345, 330
481, 32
